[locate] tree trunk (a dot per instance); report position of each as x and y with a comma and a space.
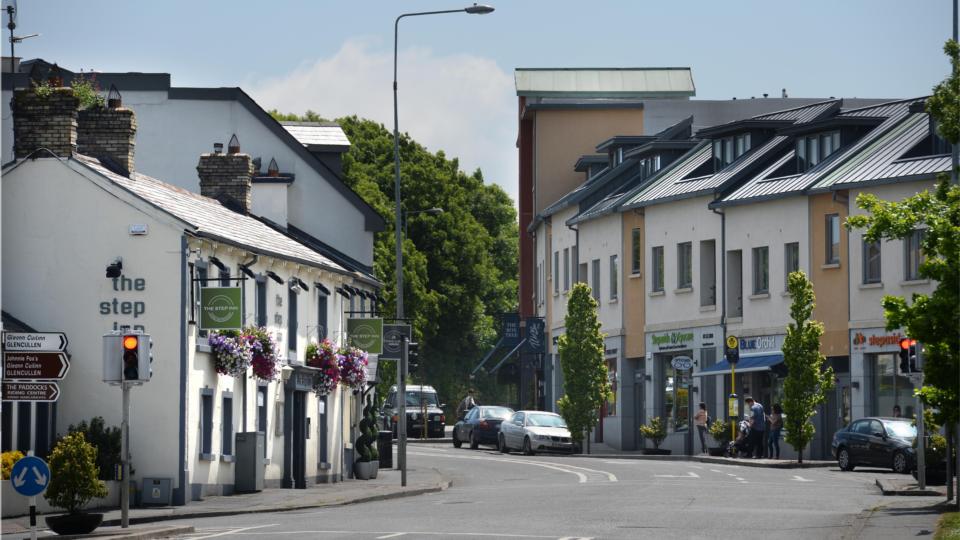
800, 455
589, 431
949, 463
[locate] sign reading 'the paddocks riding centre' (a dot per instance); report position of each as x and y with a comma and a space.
220, 308
366, 334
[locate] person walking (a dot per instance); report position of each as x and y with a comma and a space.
468, 403
757, 424
776, 426
701, 419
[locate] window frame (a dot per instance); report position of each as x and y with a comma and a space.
913, 243
867, 274
788, 254
566, 269
595, 278
206, 424
636, 238
761, 270
553, 272
685, 265
226, 423
614, 277
832, 224
657, 269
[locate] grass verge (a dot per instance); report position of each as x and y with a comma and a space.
948, 528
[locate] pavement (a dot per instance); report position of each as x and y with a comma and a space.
386, 486
604, 451
907, 486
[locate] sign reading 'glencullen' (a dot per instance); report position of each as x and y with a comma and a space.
220, 308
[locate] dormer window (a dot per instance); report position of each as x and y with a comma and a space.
728, 149
649, 166
618, 157
812, 149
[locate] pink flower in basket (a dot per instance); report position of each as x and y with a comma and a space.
324, 357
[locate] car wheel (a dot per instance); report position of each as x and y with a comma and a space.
474, 443
900, 463
843, 459
456, 440
527, 449
502, 444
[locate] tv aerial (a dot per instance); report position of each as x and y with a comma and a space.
10, 7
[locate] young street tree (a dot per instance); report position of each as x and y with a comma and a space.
585, 382
807, 383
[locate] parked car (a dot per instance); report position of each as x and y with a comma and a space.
419, 397
481, 425
535, 431
876, 442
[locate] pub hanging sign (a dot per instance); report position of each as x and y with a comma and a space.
221, 308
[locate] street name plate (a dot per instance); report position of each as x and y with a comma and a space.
35, 365
34, 341
30, 391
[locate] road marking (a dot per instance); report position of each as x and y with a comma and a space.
416, 533
801, 479
562, 467
690, 474
730, 474
234, 531
716, 471
741, 479
394, 535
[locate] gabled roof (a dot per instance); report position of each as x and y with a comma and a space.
210, 219
605, 82
319, 136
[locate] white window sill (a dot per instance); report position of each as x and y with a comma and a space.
735, 320
203, 347
208, 457
613, 300
877, 285
656, 293
684, 290
760, 296
227, 458
914, 282
828, 266
704, 309
635, 276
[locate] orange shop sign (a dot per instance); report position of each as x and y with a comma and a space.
878, 340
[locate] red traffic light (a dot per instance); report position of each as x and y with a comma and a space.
906, 343
130, 343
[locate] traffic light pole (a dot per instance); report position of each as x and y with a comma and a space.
402, 420
125, 458
921, 458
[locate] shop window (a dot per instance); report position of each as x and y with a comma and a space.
261, 302
206, 424
611, 408
761, 270
890, 388
636, 238
676, 394
614, 277
595, 277
262, 415
322, 316
791, 261
871, 261
912, 255
684, 265
832, 239
226, 425
657, 269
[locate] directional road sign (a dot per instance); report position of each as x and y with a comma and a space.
30, 476
34, 341
35, 365
30, 391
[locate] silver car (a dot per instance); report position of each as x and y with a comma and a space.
535, 431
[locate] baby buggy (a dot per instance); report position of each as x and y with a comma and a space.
740, 447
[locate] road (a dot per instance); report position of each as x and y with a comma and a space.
566, 497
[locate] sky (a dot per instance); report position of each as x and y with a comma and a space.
456, 90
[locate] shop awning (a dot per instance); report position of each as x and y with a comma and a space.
747, 364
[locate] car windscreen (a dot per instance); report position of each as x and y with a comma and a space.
414, 397
545, 420
901, 429
496, 412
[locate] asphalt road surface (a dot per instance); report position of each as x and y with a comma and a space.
565, 497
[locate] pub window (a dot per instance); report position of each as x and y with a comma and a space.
292, 321
226, 424
225, 277
871, 261
261, 301
206, 424
262, 415
322, 316
202, 275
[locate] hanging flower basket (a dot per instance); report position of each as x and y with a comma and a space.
353, 368
231, 352
263, 350
324, 357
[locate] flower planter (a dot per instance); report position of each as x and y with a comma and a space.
656, 452
363, 470
81, 523
375, 467
716, 451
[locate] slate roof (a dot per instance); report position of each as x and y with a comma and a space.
210, 219
318, 134
605, 82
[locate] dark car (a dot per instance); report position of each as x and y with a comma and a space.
422, 405
480, 425
876, 442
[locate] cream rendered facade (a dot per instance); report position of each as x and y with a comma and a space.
56, 267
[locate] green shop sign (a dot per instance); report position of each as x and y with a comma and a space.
366, 334
220, 308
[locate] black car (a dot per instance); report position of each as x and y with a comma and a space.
876, 442
423, 406
480, 425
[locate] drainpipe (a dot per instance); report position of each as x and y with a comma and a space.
243, 302
723, 270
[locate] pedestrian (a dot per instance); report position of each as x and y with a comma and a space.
896, 411
701, 419
467, 404
776, 426
757, 423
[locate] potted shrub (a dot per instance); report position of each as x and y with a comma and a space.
655, 432
372, 433
73, 482
720, 432
363, 468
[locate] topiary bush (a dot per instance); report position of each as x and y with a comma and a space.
655, 431
362, 444
73, 474
373, 431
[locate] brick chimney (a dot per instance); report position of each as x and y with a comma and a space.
47, 120
227, 177
108, 132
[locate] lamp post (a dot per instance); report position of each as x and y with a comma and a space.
401, 371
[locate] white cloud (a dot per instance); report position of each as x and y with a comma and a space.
462, 104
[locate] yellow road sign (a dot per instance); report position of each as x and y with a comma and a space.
733, 342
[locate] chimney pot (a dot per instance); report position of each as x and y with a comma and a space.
218, 148
233, 147
273, 169
114, 99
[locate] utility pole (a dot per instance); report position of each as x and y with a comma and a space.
125, 458
402, 402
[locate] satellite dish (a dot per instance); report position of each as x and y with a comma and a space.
7, 4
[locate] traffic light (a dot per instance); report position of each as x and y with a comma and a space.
413, 355
914, 368
908, 356
131, 357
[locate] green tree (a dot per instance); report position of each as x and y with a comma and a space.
73, 474
585, 382
807, 383
933, 319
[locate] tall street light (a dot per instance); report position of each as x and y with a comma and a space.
401, 365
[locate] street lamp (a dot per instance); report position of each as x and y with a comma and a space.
475, 9
406, 219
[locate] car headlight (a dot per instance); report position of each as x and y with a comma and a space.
543, 437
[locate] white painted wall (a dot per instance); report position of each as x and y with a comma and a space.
599, 239
772, 224
563, 239
270, 201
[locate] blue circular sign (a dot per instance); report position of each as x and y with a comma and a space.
30, 476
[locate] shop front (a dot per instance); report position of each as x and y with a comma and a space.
759, 373
878, 387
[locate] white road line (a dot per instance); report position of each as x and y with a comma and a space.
690, 474
234, 531
801, 479
394, 535
741, 479
730, 474
416, 533
562, 467
716, 471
